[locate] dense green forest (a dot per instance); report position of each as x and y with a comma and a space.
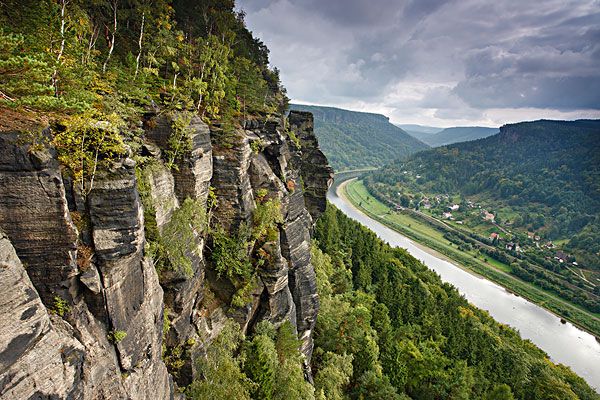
354, 140
112, 59
429, 342
544, 175
388, 328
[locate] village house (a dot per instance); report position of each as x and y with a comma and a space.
425, 203
454, 207
487, 216
447, 215
513, 247
494, 236
562, 257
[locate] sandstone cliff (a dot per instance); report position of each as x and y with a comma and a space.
95, 308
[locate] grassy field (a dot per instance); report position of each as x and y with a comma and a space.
424, 233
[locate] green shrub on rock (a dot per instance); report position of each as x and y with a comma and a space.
179, 238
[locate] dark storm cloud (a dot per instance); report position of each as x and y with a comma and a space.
447, 57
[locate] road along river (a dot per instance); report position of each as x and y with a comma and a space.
564, 343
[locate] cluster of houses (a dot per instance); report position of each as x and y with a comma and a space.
428, 203
559, 256
510, 246
448, 214
564, 258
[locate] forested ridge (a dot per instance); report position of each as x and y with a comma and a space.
546, 172
458, 134
353, 140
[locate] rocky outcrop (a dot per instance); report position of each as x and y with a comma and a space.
34, 214
316, 172
231, 160
84, 304
279, 168
39, 356
133, 296
193, 171
99, 281
189, 178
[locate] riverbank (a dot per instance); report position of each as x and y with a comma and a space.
432, 241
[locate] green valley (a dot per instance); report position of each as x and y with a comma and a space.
442, 237
526, 200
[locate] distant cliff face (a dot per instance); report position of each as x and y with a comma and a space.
89, 313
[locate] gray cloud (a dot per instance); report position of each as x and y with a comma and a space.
436, 58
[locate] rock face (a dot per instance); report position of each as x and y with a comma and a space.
112, 290
316, 172
39, 357
231, 180
84, 307
34, 214
133, 296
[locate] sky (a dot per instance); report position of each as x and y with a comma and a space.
436, 62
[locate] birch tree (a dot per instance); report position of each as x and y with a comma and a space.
111, 33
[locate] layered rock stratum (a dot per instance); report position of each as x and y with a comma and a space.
87, 315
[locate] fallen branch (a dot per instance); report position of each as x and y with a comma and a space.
4, 96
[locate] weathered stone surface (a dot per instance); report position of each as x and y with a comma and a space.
116, 214
35, 216
194, 171
39, 357
169, 188
278, 305
232, 182
162, 192
263, 177
133, 296
180, 290
192, 179
316, 172
295, 243
140, 352
91, 279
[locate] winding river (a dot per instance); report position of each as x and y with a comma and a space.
564, 343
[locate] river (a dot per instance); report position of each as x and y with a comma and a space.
564, 343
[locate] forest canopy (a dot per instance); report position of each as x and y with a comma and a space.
122, 56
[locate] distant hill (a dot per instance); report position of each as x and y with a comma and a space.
419, 128
420, 132
459, 134
545, 172
353, 140
436, 137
